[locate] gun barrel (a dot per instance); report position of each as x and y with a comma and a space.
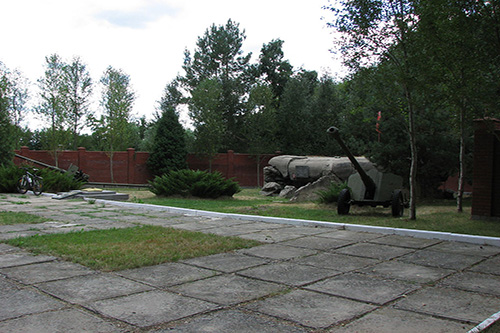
369, 183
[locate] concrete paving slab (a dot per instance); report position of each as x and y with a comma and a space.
44, 272
225, 231
272, 236
231, 321
19, 302
466, 249
227, 262
402, 241
365, 288
66, 320
4, 248
472, 281
451, 303
22, 258
291, 274
311, 309
12, 235
441, 259
491, 266
408, 272
151, 308
82, 289
339, 262
375, 251
168, 274
355, 236
275, 251
318, 243
228, 289
392, 320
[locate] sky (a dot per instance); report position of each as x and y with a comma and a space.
147, 38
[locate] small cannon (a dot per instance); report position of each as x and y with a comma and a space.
372, 188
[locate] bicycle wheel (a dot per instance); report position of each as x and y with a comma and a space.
22, 185
37, 186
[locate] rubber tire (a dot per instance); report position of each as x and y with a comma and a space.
37, 186
344, 202
397, 204
22, 185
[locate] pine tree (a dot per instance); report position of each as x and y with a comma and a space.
169, 146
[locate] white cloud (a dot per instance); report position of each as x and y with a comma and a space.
147, 38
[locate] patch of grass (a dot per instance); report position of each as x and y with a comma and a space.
117, 249
20, 217
438, 215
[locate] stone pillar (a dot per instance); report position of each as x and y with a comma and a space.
230, 164
130, 165
486, 169
82, 161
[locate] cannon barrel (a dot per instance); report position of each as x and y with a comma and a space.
369, 183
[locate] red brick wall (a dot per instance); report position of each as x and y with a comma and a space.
486, 193
129, 167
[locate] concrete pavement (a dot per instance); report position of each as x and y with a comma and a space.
304, 278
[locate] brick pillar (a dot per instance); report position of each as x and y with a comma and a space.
24, 151
130, 165
486, 173
82, 160
230, 164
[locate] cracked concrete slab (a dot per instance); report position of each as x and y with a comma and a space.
151, 307
228, 289
227, 262
86, 288
44, 272
364, 288
168, 274
288, 273
311, 309
392, 320
450, 303
230, 321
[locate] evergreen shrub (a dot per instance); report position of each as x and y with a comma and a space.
195, 183
9, 174
331, 194
53, 181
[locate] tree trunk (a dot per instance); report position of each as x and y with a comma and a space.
461, 174
413, 150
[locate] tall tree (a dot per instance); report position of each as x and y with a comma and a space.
376, 30
219, 56
15, 94
6, 143
274, 69
117, 101
169, 146
208, 121
51, 106
77, 88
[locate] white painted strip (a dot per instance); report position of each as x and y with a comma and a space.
485, 324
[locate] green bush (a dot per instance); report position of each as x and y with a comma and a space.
196, 183
9, 174
331, 195
53, 181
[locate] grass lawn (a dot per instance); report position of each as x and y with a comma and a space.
117, 249
438, 215
20, 217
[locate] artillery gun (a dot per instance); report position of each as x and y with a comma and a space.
372, 188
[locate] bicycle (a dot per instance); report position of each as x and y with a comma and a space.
30, 181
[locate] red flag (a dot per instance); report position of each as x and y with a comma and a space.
379, 117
